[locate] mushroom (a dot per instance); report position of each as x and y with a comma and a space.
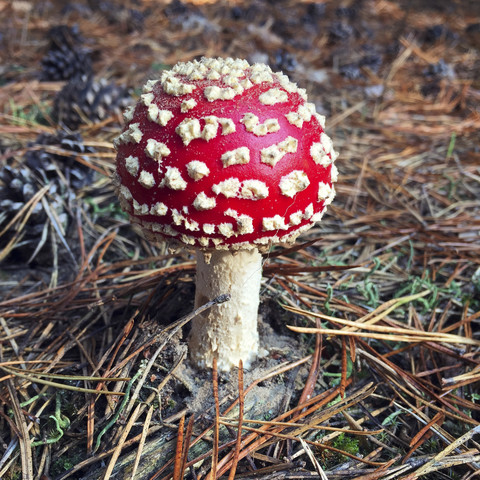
228, 159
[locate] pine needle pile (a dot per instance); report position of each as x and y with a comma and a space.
372, 321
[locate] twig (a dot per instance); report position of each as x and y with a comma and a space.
436, 462
61, 386
188, 437
216, 425
141, 443
24, 438
241, 406
177, 466
119, 410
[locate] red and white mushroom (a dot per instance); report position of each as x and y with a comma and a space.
226, 158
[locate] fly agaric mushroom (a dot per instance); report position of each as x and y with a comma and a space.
226, 158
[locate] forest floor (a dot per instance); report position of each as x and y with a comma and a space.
95, 383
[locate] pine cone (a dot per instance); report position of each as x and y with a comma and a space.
48, 164
65, 35
63, 175
66, 57
84, 99
64, 63
17, 187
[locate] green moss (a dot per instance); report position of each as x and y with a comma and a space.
63, 464
343, 442
347, 444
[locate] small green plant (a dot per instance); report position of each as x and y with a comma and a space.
14, 473
338, 375
61, 423
369, 289
432, 445
326, 304
336, 400
411, 256
29, 115
268, 415
112, 209
415, 285
62, 464
451, 145
392, 420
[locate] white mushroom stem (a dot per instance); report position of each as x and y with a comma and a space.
227, 331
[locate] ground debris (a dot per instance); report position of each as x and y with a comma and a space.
372, 323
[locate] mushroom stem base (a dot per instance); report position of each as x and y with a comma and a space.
227, 331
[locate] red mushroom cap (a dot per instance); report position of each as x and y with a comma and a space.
221, 154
